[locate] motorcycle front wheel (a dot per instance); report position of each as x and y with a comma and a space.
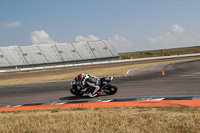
75, 91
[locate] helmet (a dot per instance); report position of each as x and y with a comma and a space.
81, 76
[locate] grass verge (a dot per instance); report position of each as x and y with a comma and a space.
112, 120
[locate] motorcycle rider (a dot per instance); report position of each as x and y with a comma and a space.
88, 81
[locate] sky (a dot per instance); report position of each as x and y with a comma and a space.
130, 25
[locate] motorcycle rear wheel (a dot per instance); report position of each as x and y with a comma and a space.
110, 89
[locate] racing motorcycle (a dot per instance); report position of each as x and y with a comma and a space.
105, 87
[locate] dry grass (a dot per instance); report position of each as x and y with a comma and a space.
113, 120
100, 72
160, 53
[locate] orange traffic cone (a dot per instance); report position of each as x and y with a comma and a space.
163, 72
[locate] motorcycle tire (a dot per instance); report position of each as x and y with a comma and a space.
76, 92
110, 89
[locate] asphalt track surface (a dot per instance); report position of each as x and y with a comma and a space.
180, 79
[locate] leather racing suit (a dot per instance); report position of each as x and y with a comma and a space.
91, 81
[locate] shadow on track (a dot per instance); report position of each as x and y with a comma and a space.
74, 98
81, 97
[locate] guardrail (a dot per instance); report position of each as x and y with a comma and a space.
96, 63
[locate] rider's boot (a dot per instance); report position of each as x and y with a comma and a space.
96, 89
94, 93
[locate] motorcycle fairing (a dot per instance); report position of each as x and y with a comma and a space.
106, 80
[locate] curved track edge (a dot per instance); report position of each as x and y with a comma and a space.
109, 103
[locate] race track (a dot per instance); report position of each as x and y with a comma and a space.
180, 79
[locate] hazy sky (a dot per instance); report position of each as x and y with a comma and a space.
130, 25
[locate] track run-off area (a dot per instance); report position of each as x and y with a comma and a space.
144, 86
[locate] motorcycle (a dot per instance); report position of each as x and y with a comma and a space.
105, 87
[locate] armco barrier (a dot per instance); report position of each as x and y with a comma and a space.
103, 62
